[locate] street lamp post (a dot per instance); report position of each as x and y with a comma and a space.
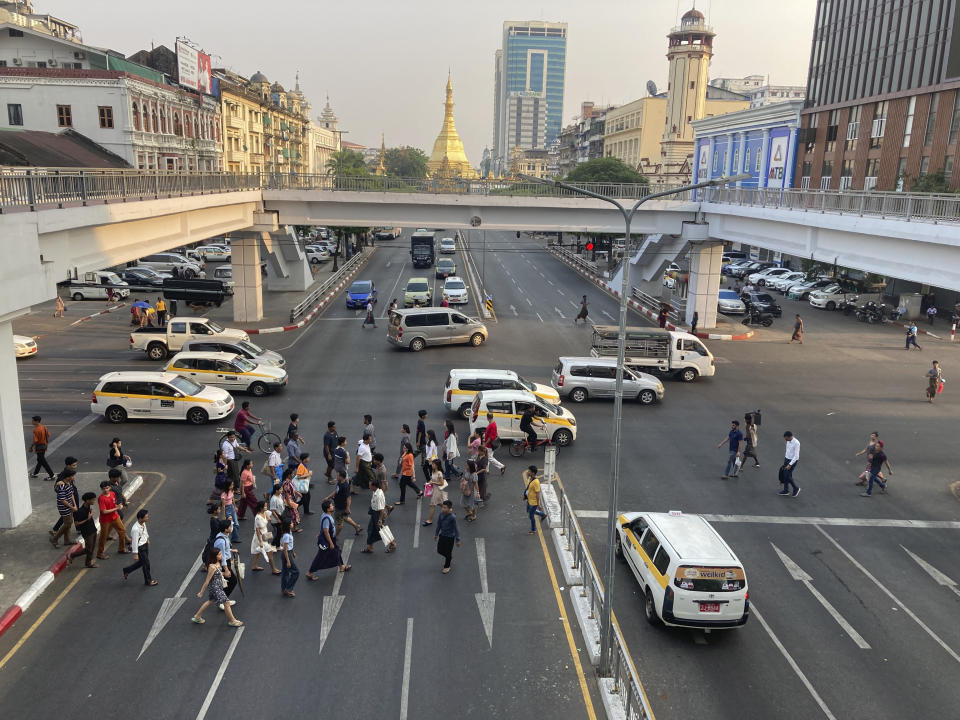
606, 630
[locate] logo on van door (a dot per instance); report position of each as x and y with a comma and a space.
710, 579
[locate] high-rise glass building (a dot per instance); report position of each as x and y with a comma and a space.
531, 65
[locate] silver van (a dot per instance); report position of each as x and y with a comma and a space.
415, 328
167, 261
579, 378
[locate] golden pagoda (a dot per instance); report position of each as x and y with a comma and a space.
381, 165
448, 158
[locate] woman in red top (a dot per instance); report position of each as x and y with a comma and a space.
110, 519
248, 490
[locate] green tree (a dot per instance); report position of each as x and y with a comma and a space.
608, 169
406, 162
931, 183
346, 162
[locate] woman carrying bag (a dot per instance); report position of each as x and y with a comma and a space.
328, 552
438, 485
117, 459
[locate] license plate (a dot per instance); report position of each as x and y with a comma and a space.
710, 607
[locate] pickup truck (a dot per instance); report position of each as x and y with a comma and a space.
158, 343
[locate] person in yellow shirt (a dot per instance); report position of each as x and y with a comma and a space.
161, 308
532, 495
302, 482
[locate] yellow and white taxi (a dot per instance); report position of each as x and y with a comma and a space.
229, 371
688, 575
508, 407
158, 395
463, 384
24, 346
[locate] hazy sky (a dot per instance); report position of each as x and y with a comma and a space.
384, 62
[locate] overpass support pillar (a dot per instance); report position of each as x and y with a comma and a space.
706, 259
247, 278
15, 503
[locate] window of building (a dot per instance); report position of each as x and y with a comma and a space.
14, 114
163, 121
746, 159
931, 118
853, 129
64, 116
136, 117
924, 164
831, 132
736, 160
759, 159
955, 119
3, 63
879, 124
908, 128
156, 127
846, 174
692, 84
948, 168
716, 160
826, 170
901, 173
15, 33
177, 127
105, 113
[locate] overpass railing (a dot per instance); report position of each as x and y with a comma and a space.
33, 188
924, 207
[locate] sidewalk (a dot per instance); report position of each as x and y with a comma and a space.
26, 555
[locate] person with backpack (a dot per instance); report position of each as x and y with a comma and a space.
532, 497
328, 552
469, 492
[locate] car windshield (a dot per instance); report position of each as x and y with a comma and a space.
417, 287
728, 295
831, 288
764, 298
361, 287
527, 385
446, 262
185, 385
251, 348
243, 364
455, 285
215, 326
555, 409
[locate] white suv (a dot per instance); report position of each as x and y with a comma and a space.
167, 261
455, 291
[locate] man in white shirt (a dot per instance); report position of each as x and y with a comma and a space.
232, 448
378, 517
275, 462
140, 544
369, 319
791, 457
364, 459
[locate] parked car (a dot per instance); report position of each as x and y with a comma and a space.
755, 266
455, 291
176, 265
783, 283
215, 253
764, 276
801, 291
764, 302
224, 274
729, 303
317, 254
829, 297
728, 267
360, 293
94, 285
143, 277
446, 267
24, 346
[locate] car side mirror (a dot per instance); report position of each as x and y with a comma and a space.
178, 395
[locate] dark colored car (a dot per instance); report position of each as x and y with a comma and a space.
446, 267
360, 293
744, 270
195, 292
763, 301
143, 277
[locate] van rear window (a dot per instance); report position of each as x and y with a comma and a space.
710, 579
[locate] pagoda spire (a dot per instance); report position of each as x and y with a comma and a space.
382, 165
448, 157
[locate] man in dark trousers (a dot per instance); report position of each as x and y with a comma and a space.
83, 519
421, 440
140, 544
733, 439
41, 438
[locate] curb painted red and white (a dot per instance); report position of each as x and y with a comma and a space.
633, 304
13, 613
319, 306
102, 312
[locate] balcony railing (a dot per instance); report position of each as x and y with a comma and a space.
37, 188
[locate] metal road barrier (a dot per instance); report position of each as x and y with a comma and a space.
624, 682
652, 304
577, 260
310, 300
926, 207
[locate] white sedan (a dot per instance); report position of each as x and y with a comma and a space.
24, 346
317, 254
214, 253
455, 291
784, 282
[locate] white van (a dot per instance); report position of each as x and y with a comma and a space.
463, 385
688, 575
508, 407
93, 286
655, 350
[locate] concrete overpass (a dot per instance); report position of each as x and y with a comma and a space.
60, 223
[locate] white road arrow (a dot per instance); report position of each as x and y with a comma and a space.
514, 310
797, 573
169, 608
333, 602
562, 316
938, 577
485, 600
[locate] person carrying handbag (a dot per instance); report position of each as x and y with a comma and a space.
438, 493
328, 552
118, 459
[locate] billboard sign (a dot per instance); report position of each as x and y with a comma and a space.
778, 162
194, 68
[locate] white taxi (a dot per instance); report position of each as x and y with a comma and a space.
688, 574
158, 395
24, 346
229, 371
455, 291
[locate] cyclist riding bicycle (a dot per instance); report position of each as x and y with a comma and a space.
244, 423
527, 423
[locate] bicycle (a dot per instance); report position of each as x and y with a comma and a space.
265, 442
519, 447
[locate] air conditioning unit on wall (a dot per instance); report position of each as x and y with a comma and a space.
80, 55
17, 61
52, 62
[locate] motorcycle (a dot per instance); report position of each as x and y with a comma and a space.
870, 313
755, 316
848, 306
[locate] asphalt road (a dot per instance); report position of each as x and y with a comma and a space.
802, 662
